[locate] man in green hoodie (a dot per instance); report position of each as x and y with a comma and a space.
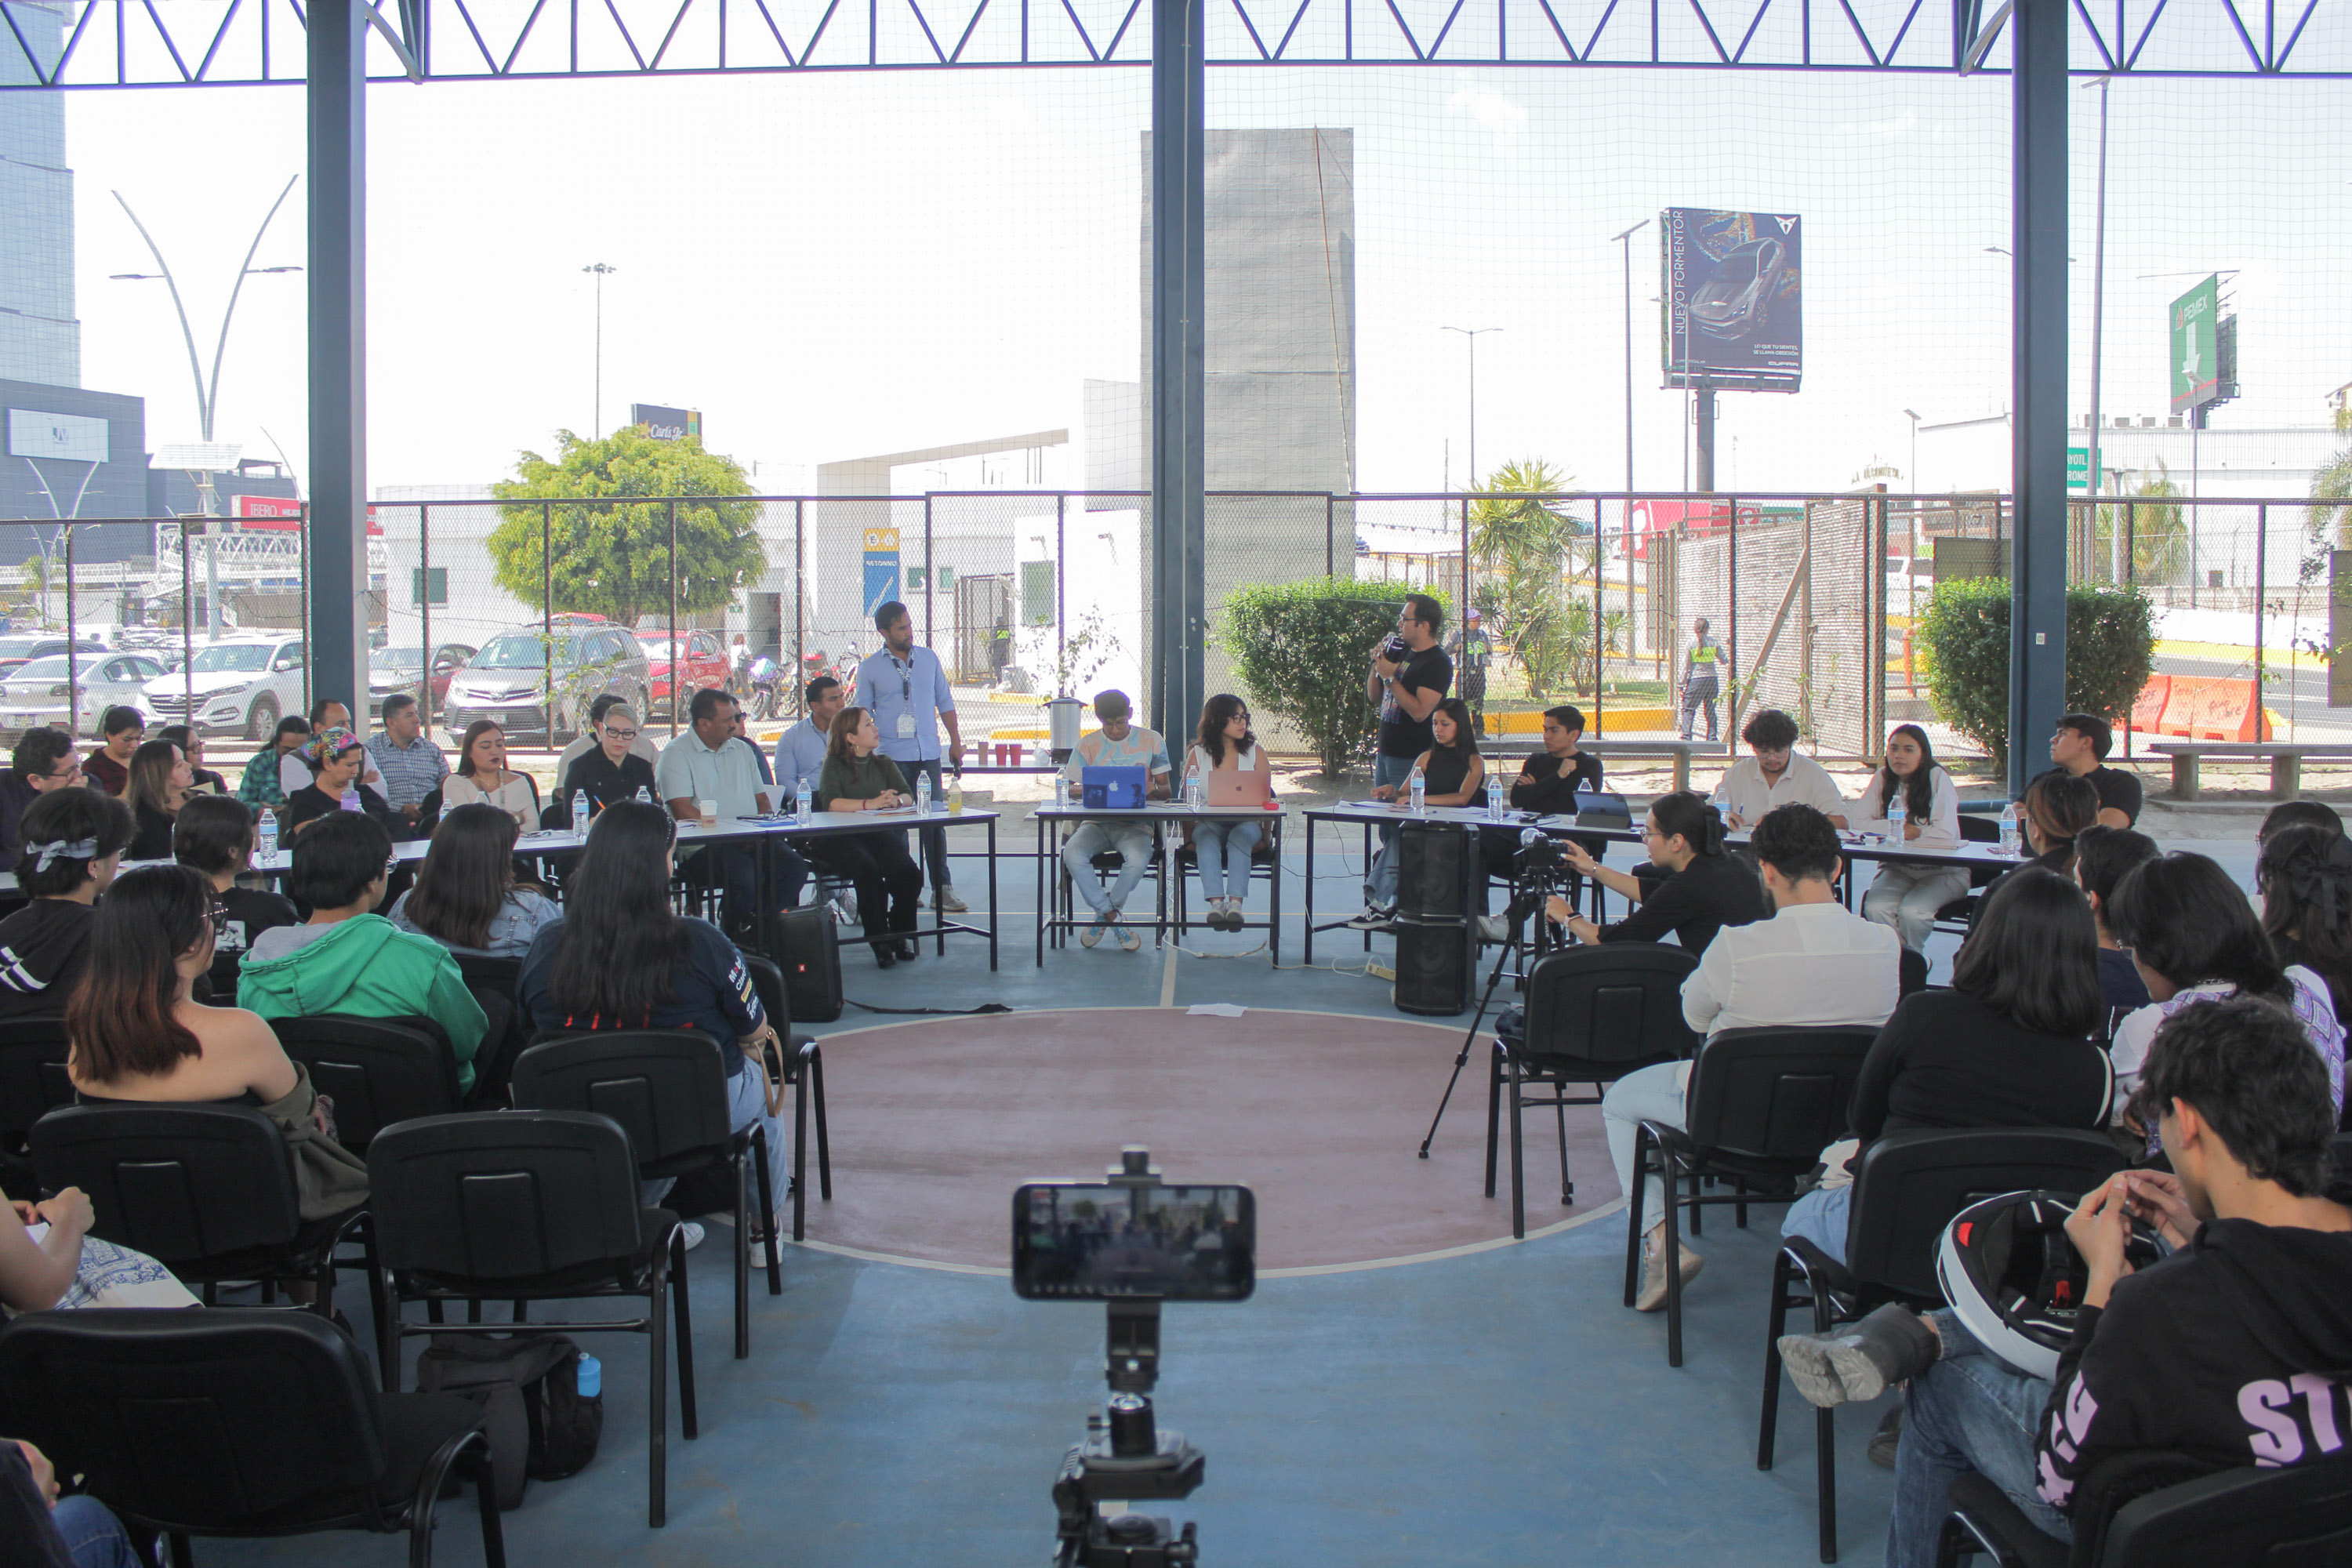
349, 960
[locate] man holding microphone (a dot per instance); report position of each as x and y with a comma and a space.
1409, 677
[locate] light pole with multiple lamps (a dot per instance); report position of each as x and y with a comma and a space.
1626, 240
601, 270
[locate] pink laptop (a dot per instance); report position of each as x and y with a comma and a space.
1238, 787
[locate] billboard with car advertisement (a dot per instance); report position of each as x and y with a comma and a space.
1731, 297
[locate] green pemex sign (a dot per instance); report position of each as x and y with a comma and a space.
2195, 360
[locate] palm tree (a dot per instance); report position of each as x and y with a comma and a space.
2332, 483
1522, 551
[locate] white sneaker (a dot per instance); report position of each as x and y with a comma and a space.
1492, 928
950, 902
691, 1232
1128, 941
1094, 933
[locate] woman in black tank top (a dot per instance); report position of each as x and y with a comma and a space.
1452, 771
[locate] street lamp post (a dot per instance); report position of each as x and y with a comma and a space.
1911, 549
2098, 325
601, 271
1472, 334
208, 391
1626, 240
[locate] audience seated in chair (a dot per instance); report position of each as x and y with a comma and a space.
74, 840
191, 746
2195, 938
2104, 856
42, 1530
1704, 890
2233, 1349
1814, 961
139, 1034
335, 758
2055, 811
160, 780
1119, 742
1222, 845
109, 767
2006, 1046
621, 959
2305, 879
1907, 894
466, 896
214, 836
411, 766
262, 783
1773, 775
347, 959
45, 760
2298, 813
36, 1275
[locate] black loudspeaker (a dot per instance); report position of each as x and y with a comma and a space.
1434, 962
1437, 866
810, 955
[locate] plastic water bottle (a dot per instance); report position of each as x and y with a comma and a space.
1193, 793
1494, 797
580, 811
2008, 840
804, 802
642, 798
1061, 792
268, 828
923, 795
591, 1375
1037, 754
1419, 788
1897, 814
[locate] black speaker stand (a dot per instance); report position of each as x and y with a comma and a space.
1517, 917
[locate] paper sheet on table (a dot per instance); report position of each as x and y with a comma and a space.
1215, 1010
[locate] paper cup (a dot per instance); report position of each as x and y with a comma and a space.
708, 808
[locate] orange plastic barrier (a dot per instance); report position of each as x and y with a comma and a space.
2201, 708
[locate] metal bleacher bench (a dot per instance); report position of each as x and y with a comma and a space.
2286, 759
1609, 751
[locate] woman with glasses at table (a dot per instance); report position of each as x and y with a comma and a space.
1707, 889
610, 772
1223, 845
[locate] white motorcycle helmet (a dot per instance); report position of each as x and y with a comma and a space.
2014, 1280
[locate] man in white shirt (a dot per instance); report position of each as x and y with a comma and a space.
800, 750
706, 763
1774, 776
1814, 961
1118, 743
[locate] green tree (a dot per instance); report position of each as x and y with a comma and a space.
1522, 554
2158, 534
1964, 645
1299, 649
615, 560
2332, 485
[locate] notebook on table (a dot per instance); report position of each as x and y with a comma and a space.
1111, 788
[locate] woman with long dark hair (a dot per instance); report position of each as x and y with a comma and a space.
466, 896
2304, 878
482, 774
2008, 1045
157, 785
857, 779
1907, 894
1452, 773
622, 959
2195, 938
1704, 890
1224, 743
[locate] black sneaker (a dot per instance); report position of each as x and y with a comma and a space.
1373, 918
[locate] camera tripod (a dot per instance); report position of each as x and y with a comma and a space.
1524, 901
1125, 1457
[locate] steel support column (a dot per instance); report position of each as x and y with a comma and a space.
2037, 584
1178, 251
337, 580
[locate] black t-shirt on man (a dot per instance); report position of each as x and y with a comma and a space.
1548, 785
1400, 734
2118, 790
44, 948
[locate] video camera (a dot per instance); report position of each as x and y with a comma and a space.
1130, 1242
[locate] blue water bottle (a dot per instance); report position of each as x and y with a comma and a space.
591, 1375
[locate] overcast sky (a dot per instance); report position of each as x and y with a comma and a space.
835, 265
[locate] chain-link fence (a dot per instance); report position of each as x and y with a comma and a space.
525, 611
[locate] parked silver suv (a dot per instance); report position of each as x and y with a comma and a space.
241, 685
509, 681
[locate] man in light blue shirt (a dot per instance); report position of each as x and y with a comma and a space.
906, 691
800, 750
706, 763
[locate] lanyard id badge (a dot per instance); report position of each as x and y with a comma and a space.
906, 699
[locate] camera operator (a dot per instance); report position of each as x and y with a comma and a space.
1707, 889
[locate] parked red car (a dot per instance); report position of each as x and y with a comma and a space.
705, 664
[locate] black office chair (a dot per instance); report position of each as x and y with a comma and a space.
377, 1070
1907, 1188
2165, 1511
1592, 1015
1959, 914
33, 1082
803, 1069
428, 812
206, 1190
496, 985
530, 1205
240, 1423
1763, 1104
667, 1090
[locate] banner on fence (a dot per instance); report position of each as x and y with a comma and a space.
881, 568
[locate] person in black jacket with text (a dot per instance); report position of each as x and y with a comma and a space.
2236, 1349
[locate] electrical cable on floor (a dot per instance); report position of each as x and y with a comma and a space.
941, 1012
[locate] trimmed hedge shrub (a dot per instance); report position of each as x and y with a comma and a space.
1964, 643
1300, 650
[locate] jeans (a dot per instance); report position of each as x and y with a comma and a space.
935, 839
1224, 849
94, 1538
1906, 896
747, 1101
1699, 693
1381, 876
1134, 847
1970, 1411
1648, 1094
1819, 1218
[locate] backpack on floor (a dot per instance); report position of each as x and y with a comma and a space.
508, 1376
